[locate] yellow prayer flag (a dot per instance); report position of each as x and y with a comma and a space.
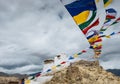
94, 46
82, 17
107, 3
93, 39
107, 36
53, 67
27, 81
75, 55
97, 53
100, 44
97, 1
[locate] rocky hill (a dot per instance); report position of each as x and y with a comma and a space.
84, 72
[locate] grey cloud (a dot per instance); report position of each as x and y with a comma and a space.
22, 31
13, 66
24, 70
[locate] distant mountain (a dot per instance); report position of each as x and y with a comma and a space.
4, 74
114, 71
20, 76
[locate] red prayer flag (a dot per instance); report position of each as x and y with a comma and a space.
84, 51
63, 62
38, 75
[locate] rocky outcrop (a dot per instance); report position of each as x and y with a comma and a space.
84, 72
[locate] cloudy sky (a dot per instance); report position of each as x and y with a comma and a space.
34, 30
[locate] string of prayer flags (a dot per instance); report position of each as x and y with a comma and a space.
96, 47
